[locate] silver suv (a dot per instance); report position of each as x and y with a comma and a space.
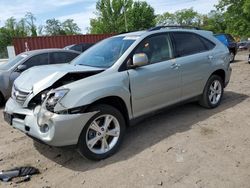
90, 102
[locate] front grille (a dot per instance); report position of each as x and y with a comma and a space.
19, 95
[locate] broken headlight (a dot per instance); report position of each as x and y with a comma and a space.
43, 117
54, 97
45, 112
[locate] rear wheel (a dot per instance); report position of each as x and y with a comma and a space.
103, 134
213, 92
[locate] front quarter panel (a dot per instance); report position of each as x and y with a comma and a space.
86, 91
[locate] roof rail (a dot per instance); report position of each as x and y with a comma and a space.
173, 27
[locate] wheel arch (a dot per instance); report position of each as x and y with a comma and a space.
221, 73
116, 102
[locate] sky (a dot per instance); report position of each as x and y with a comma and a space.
82, 10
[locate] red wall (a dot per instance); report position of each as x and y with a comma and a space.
55, 41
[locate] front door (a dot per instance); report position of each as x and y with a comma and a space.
158, 84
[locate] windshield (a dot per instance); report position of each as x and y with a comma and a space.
12, 62
105, 53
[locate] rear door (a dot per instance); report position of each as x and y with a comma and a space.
158, 84
194, 55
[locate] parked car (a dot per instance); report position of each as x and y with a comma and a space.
244, 45
11, 70
79, 47
90, 102
229, 41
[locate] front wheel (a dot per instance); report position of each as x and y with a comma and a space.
103, 134
213, 92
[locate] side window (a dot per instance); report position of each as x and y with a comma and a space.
187, 44
209, 45
158, 48
62, 57
86, 46
41, 59
77, 47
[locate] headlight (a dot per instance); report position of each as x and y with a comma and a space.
54, 97
45, 112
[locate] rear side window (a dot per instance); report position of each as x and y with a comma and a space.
62, 57
77, 48
81, 47
41, 59
209, 45
187, 44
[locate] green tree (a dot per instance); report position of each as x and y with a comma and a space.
110, 16
116, 16
237, 16
141, 16
10, 25
182, 17
214, 21
54, 27
40, 30
246, 7
5, 40
11, 29
21, 28
24, 27
186, 17
70, 27
165, 19
30, 20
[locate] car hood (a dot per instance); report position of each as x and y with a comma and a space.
39, 78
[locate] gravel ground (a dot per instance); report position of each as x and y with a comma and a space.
185, 146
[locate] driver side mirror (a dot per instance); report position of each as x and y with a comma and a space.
21, 68
139, 60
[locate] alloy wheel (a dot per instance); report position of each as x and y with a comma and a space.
215, 92
103, 134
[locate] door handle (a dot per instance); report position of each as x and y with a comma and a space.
175, 66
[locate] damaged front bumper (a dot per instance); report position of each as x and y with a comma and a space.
61, 130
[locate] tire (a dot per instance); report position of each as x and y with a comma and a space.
232, 57
206, 99
101, 149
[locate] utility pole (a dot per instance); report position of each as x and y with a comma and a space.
125, 16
